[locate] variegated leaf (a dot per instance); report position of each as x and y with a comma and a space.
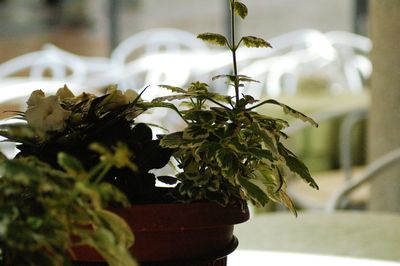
173, 88
229, 77
208, 150
248, 79
195, 131
70, 164
285, 199
240, 9
170, 98
228, 162
296, 166
213, 38
173, 140
261, 153
255, 42
288, 110
254, 192
266, 137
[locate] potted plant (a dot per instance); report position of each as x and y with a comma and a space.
46, 212
228, 154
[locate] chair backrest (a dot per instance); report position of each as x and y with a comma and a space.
343, 125
339, 57
50, 63
369, 173
155, 41
352, 54
152, 57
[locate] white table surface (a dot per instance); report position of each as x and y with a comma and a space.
357, 234
266, 258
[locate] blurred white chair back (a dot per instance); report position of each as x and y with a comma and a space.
340, 57
48, 63
154, 56
352, 56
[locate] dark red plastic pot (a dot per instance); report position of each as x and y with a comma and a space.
177, 234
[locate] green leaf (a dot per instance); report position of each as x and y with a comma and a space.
2, 157
101, 239
222, 112
254, 42
213, 38
296, 166
19, 171
265, 136
118, 226
22, 132
172, 88
254, 192
170, 98
240, 9
246, 99
288, 110
234, 145
228, 162
176, 140
197, 88
173, 140
195, 131
299, 115
261, 153
244, 78
70, 164
111, 193
208, 150
285, 199
229, 77
200, 116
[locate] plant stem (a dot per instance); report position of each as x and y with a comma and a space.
233, 49
99, 171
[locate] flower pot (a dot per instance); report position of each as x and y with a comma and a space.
178, 234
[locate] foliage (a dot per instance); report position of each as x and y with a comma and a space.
228, 152
45, 212
70, 124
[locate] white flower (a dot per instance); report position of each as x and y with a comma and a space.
35, 98
115, 98
130, 95
47, 115
64, 92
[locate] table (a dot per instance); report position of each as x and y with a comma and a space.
262, 258
357, 234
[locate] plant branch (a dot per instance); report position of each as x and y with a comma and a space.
233, 49
258, 105
217, 103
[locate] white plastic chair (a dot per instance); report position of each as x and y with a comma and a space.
89, 65
46, 63
155, 41
148, 57
291, 54
369, 173
330, 181
341, 57
354, 64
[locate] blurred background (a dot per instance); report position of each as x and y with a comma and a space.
319, 63
336, 61
93, 27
